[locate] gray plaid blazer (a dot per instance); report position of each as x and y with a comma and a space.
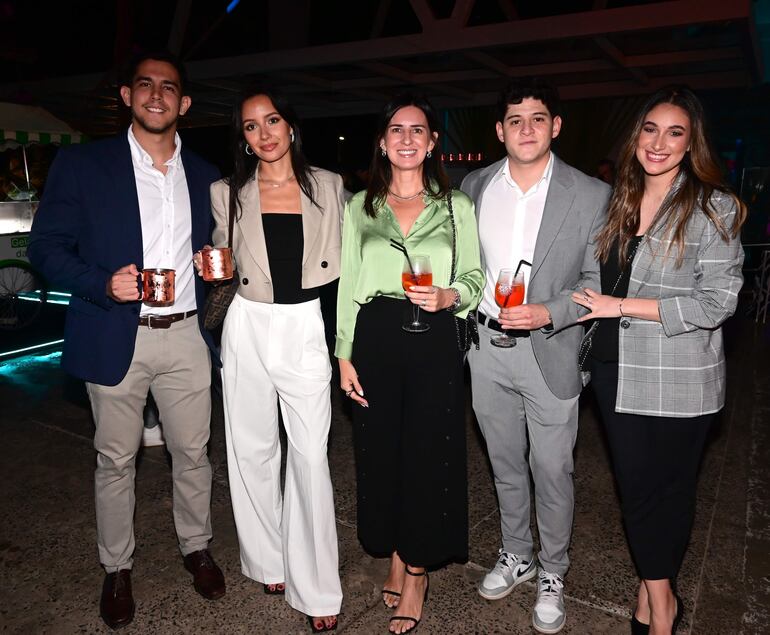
676, 367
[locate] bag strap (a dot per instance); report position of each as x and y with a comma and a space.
454, 237
592, 329
625, 264
230, 221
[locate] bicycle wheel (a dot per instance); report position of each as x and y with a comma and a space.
22, 296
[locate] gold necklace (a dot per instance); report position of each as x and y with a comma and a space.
275, 183
405, 198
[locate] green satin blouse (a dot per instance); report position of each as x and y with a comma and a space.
370, 267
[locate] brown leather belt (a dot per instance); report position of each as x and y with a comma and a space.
163, 321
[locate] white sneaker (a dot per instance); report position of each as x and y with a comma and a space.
549, 615
152, 437
509, 572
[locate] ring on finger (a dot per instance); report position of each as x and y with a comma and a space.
348, 393
423, 303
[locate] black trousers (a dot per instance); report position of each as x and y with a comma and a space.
410, 443
656, 462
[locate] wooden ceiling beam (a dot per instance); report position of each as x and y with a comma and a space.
461, 12
383, 9
588, 24
424, 14
615, 55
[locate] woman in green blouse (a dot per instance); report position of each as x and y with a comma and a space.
409, 431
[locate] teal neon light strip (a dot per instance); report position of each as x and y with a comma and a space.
30, 348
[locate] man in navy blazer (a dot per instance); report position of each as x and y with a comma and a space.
110, 209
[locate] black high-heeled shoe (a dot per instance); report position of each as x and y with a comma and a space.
637, 627
323, 628
395, 594
415, 621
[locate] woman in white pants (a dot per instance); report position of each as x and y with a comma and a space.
286, 244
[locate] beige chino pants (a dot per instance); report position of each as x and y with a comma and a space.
174, 364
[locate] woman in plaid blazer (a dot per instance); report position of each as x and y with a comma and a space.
671, 271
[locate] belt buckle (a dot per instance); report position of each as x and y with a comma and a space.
161, 320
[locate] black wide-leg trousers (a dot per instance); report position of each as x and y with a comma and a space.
656, 461
410, 446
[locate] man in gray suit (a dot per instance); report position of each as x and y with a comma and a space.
534, 209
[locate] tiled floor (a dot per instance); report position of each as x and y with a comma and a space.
50, 578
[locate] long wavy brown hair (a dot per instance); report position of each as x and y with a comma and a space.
700, 177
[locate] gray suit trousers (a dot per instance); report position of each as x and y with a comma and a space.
526, 428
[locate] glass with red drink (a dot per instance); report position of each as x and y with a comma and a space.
416, 273
509, 291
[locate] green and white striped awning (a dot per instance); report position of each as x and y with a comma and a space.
23, 137
30, 124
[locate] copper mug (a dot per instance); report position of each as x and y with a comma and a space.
158, 287
216, 264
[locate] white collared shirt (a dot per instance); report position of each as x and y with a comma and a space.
509, 221
164, 207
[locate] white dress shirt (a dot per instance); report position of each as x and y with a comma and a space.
164, 207
509, 221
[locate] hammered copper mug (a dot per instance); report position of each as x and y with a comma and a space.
158, 287
216, 264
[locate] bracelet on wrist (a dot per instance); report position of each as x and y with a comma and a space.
456, 302
620, 307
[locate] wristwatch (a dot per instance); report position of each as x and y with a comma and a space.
457, 301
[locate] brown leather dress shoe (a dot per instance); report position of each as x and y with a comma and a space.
208, 579
117, 604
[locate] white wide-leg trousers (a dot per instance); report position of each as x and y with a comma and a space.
276, 354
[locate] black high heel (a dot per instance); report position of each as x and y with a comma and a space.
415, 621
324, 628
637, 627
395, 594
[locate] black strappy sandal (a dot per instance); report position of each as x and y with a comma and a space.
324, 628
389, 592
415, 621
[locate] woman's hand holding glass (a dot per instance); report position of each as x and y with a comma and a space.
431, 298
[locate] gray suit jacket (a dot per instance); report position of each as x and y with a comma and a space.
320, 231
676, 367
564, 260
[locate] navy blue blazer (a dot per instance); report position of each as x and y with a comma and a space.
88, 226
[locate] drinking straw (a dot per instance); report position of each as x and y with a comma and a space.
521, 262
402, 249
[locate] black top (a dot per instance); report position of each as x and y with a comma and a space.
285, 244
605, 339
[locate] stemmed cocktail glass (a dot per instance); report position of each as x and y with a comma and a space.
416, 272
509, 291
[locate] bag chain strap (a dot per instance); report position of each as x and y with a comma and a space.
585, 347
